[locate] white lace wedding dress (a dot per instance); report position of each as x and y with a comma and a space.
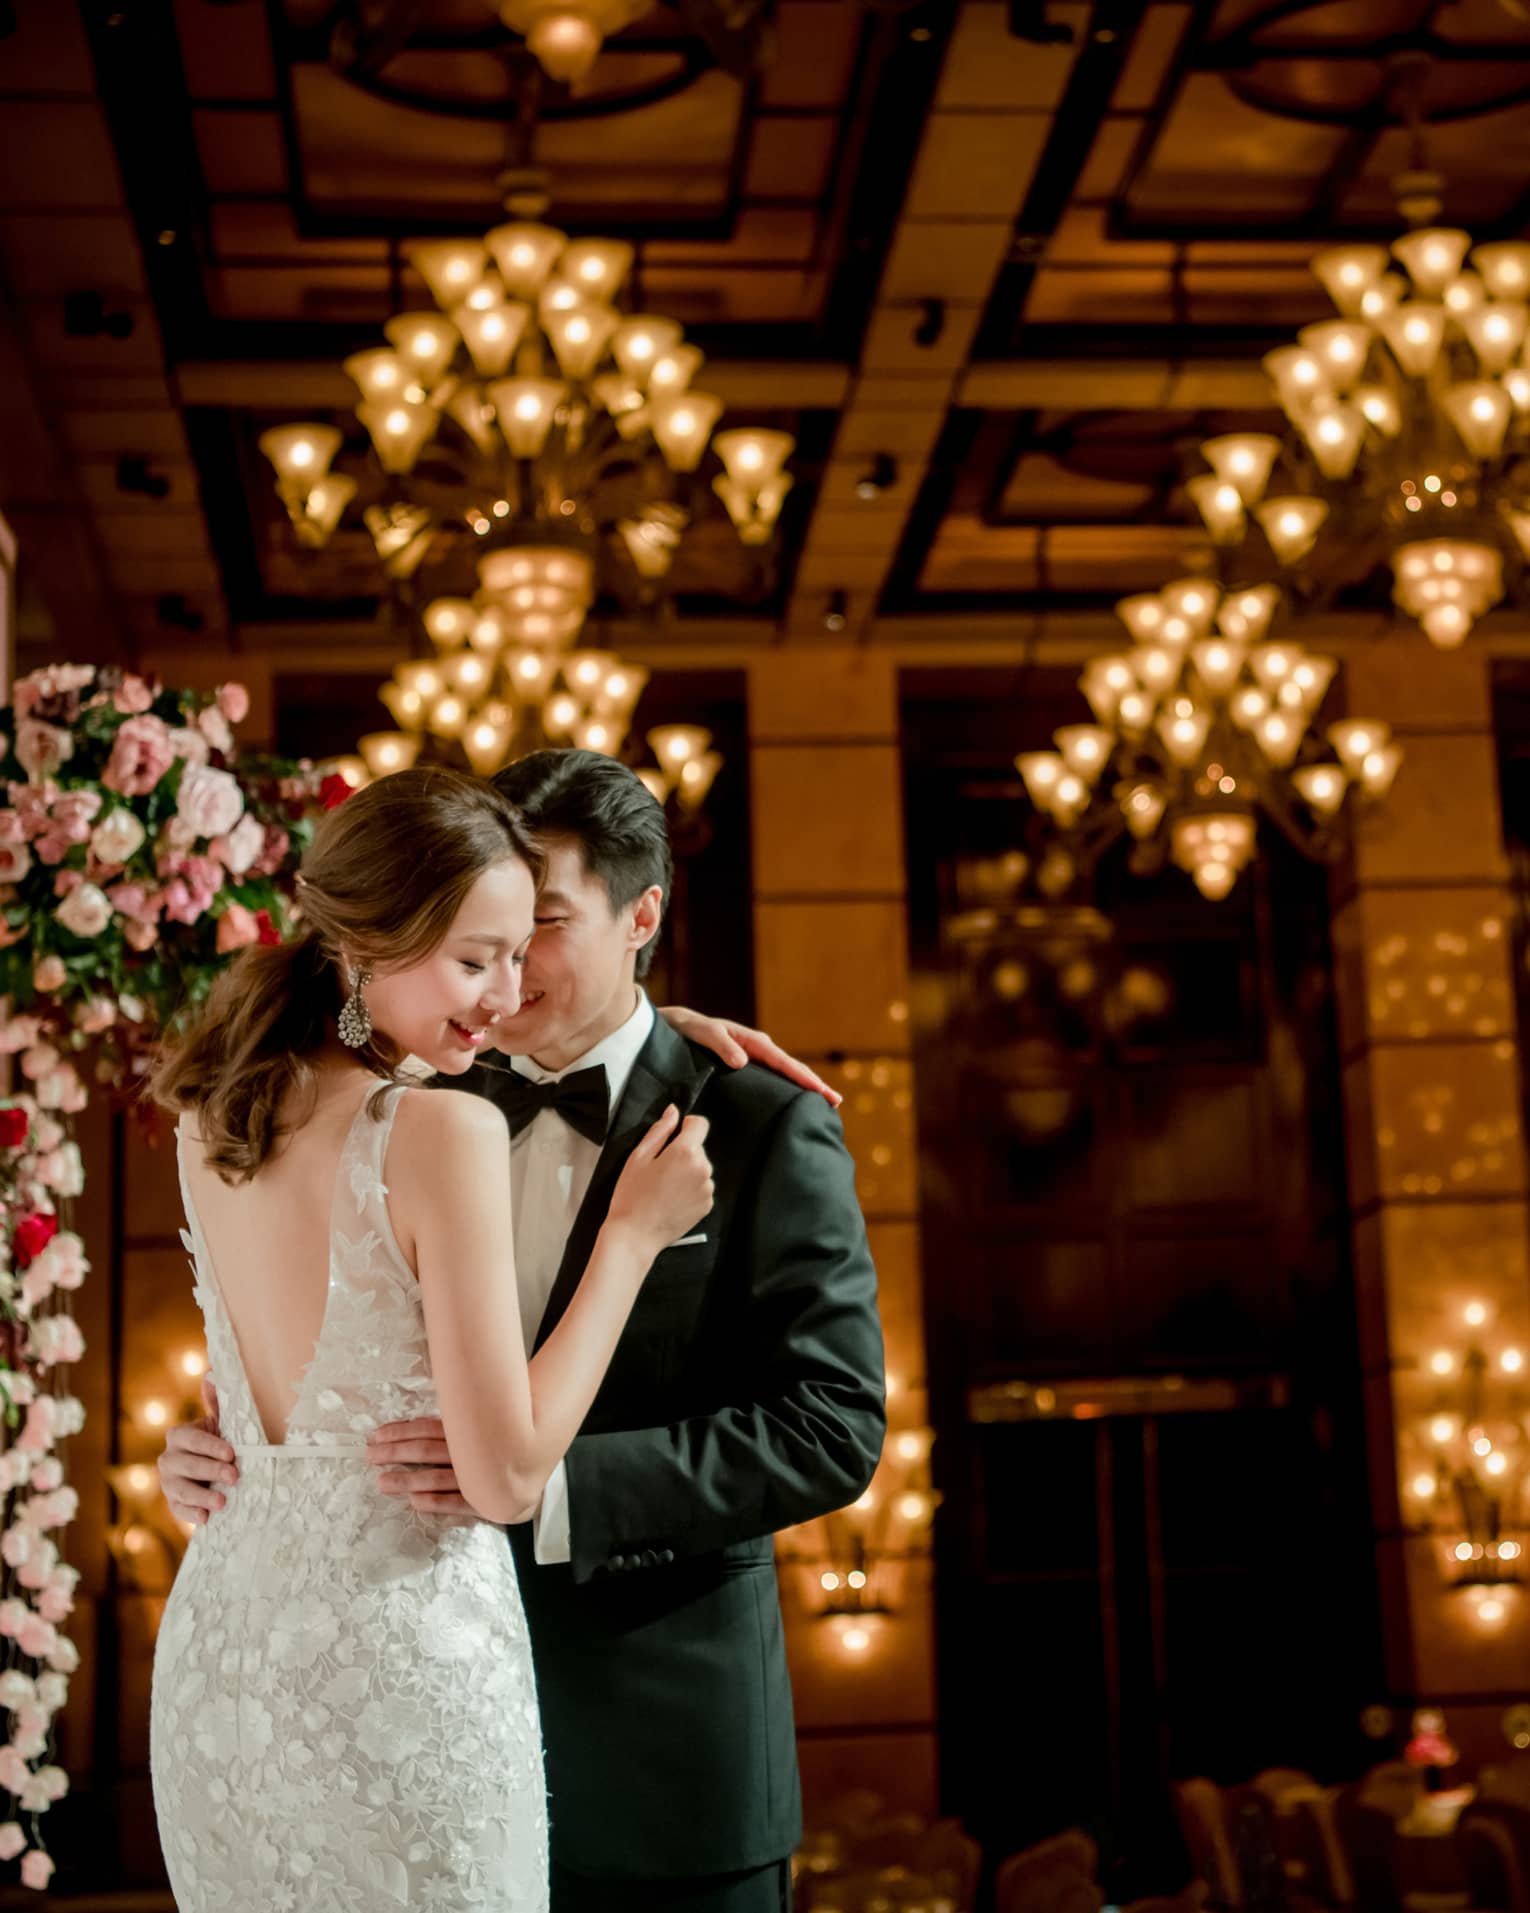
344, 1709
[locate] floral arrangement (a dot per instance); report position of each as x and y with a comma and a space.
137, 854
41, 1263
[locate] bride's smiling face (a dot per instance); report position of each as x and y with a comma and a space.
442, 1008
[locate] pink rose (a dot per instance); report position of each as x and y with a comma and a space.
38, 1060
69, 822
36, 1436
141, 754
95, 1015
48, 1474
63, 1261
36, 1869
210, 801
239, 849
14, 1772
49, 974
12, 831
62, 1089
236, 928
54, 680
134, 900
140, 936
63, 1655
132, 695
30, 1742
234, 702
63, 1171
214, 727
57, 1338
20, 1033
55, 1605
42, 748
15, 861
12, 1840
37, 1636
46, 1133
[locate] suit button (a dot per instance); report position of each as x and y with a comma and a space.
650, 1558
617, 1563
666, 1555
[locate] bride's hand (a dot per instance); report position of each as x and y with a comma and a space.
666, 1186
737, 1045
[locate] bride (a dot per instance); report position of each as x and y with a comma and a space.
352, 1246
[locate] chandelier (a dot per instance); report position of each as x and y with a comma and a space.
1411, 411
562, 436
1204, 724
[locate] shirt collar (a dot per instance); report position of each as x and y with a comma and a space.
615, 1053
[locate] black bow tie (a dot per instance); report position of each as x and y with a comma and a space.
583, 1100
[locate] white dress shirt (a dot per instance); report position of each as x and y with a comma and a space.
551, 1166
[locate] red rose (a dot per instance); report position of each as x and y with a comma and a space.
14, 1124
333, 791
33, 1234
269, 934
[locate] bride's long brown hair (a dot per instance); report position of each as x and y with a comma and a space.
384, 877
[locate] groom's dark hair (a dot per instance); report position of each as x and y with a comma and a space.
608, 810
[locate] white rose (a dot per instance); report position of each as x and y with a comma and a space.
118, 836
86, 911
209, 802
239, 849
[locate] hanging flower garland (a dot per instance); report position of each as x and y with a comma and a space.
137, 854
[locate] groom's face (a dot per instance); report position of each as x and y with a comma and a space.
578, 975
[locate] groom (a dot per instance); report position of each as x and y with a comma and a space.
746, 1394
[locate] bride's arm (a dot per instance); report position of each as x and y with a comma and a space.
508, 1423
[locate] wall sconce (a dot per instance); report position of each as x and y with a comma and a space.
834, 616
856, 1568
880, 476
1468, 1469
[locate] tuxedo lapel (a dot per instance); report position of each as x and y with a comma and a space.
668, 1070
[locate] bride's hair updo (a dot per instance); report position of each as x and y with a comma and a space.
384, 878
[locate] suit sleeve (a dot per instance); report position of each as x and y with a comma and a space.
805, 1433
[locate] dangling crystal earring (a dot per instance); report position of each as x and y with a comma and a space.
355, 1017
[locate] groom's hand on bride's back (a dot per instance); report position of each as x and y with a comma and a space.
197, 1464
414, 1464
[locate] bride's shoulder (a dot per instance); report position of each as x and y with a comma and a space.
436, 1116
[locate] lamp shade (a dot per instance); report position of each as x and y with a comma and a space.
1347, 273
301, 454
1432, 256
450, 268
579, 337
1243, 460
681, 423
1291, 525
596, 266
525, 254
425, 343
1415, 332
399, 429
526, 409
491, 334
641, 342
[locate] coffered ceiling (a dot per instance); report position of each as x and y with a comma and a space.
1030, 252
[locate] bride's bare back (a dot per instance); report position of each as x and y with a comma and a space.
268, 1240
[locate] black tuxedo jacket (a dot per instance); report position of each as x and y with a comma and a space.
747, 1394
